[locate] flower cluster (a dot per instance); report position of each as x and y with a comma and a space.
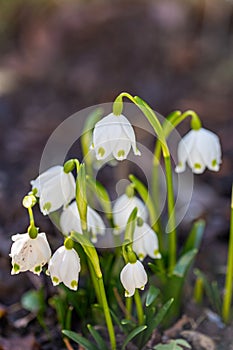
55, 189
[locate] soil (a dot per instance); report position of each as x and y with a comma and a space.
59, 57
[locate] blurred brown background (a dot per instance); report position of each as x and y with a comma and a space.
57, 57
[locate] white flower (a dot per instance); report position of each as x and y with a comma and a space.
29, 253
122, 209
70, 221
55, 188
114, 135
145, 242
64, 266
200, 149
133, 275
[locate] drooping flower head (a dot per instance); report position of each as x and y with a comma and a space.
145, 242
114, 135
55, 188
122, 209
29, 254
64, 266
200, 149
133, 275
70, 221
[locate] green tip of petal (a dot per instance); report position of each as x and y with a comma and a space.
101, 152
197, 166
37, 269
140, 221
55, 280
16, 268
47, 207
214, 163
74, 284
141, 256
121, 154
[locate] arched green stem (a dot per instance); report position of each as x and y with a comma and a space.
155, 123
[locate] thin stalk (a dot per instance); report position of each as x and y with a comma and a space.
31, 216
128, 305
94, 280
107, 314
139, 307
171, 215
229, 274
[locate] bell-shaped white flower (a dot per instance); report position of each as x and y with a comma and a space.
70, 221
122, 209
29, 254
55, 188
200, 149
64, 266
145, 242
133, 275
114, 135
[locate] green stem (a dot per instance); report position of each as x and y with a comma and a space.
139, 307
107, 314
94, 280
171, 215
128, 305
31, 216
229, 274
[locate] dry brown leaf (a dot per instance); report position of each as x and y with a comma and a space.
198, 340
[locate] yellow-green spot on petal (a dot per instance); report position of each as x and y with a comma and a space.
16, 267
37, 269
141, 256
55, 279
121, 153
214, 163
197, 166
74, 284
101, 151
140, 221
47, 206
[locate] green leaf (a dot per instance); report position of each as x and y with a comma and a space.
81, 196
152, 294
99, 340
80, 340
195, 236
154, 322
184, 263
99, 190
133, 334
33, 301
177, 344
131, 224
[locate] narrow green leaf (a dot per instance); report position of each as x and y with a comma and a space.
152, 294
184, 263
80, 340
81, 196
154, 322
130, 226
133, 334
99, 190
195, 236
99, 340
